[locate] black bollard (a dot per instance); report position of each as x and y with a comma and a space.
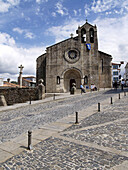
98, 107
30, 140
54, 97
119, 95
30, 100
124, 93
111, 100
76, 118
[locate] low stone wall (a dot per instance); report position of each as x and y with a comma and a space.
19, 95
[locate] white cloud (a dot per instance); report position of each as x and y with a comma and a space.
28, 34
19, 30
104, 5
40, 1
61, 10
75, 12
53, 14
113, 37
62, 32
5, 5
11, 57
6, 39
87, 10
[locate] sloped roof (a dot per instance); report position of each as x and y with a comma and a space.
105, 53
7, 84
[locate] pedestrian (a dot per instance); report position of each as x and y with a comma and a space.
82, 89
122, 84
115, 85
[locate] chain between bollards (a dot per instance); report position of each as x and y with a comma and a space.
111, 101
76, 118
30, 140
98, 107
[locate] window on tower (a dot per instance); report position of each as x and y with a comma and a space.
91, 34
83, 35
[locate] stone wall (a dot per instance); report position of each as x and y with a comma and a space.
19, 95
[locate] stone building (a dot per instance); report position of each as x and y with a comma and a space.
126, 72
75, 60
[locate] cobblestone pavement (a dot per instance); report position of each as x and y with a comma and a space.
55, 153
15, 122
98, 142
120, 109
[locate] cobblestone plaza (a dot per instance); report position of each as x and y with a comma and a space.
99, 141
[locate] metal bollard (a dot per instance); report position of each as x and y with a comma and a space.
76, 118
30, 100
119, 95
30, 140
98, 107
111, 100
54, 97
124, 93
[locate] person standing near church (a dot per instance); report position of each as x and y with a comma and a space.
82, 88
122, 84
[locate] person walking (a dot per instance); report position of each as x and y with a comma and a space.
82, 89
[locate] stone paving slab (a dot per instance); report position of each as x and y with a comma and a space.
4, 155
105, 115
55, 153
123, 166
113, 135
75, 150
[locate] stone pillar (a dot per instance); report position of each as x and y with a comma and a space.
41, 90
20, 75
2, 101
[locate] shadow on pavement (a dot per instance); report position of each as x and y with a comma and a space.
116, 91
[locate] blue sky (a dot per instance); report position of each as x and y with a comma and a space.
27, 27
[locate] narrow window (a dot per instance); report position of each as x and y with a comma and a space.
102, 66
58, 80
91, 34
83, 35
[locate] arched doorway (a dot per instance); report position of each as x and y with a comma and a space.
71, 76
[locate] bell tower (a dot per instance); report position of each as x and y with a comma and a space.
87, 38
87, 34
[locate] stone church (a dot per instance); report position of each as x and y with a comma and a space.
75, 60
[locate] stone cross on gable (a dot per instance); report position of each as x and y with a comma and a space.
21, 68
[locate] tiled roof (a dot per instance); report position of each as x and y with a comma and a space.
7, 84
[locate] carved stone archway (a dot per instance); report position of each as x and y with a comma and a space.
71, 75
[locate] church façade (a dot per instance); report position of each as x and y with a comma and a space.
75, 60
